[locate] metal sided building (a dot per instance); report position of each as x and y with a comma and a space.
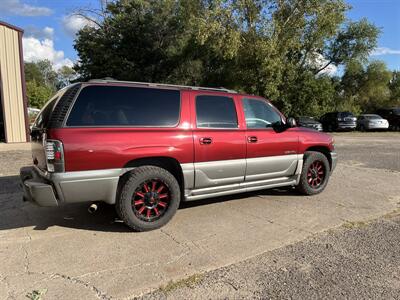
14, 126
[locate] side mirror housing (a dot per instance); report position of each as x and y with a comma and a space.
291, 122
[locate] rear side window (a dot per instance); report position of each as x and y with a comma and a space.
215, 112
125, 106
43, 117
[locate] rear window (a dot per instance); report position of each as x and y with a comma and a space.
43, 117
125, 106
215, 112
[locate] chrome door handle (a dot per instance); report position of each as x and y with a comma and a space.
205, 140
252, 139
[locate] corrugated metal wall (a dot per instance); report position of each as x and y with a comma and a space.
11, 86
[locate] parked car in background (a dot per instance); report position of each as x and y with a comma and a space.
309, 122
392, 115
145, 147
338, 121
371, 122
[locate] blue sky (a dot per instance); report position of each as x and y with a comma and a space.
49, 33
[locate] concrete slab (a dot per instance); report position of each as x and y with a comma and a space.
73, 254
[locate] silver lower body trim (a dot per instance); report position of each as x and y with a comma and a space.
240, 188
218, 178
223, 178
52, 189
87, 186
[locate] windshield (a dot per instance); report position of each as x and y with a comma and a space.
306, 119
396, 111
372, 117
345, 115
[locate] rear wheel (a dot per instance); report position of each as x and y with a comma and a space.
315, 173
149, 198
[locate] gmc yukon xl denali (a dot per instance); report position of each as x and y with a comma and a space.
145, 147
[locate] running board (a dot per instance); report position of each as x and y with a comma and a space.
239, 188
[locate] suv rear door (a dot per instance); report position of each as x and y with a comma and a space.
270, 153
219, 141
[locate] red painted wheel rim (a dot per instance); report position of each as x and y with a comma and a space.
316, 174
151, 200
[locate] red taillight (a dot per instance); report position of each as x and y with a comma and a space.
54, 156
57, 155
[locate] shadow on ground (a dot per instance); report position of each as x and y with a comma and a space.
14, 213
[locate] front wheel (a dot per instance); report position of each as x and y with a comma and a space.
315, 173
149, 198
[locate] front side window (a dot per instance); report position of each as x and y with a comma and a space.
215, 112
125, 106
260, 114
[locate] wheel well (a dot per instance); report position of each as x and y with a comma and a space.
167, 163
323, 150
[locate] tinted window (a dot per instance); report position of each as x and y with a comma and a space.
215, 112
125, 106
345, 115
44, 116
306, 119
260, 114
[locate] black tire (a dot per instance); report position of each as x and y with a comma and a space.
126, 205
305, 186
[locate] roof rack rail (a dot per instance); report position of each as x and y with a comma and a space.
110, 80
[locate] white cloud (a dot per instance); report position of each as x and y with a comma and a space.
319, 61
384, 51
73, 23
329, 70
16, 7
35, 50
45, 33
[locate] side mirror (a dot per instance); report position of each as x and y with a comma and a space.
291, 122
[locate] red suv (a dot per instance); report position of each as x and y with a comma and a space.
145, 147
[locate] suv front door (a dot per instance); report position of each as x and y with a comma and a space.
271, 153
219, 142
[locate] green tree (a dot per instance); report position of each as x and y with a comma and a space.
265, 47
38, 94
33, 72
138, 40
65, 76
394, 87
375, 91
49, 74
42, 80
